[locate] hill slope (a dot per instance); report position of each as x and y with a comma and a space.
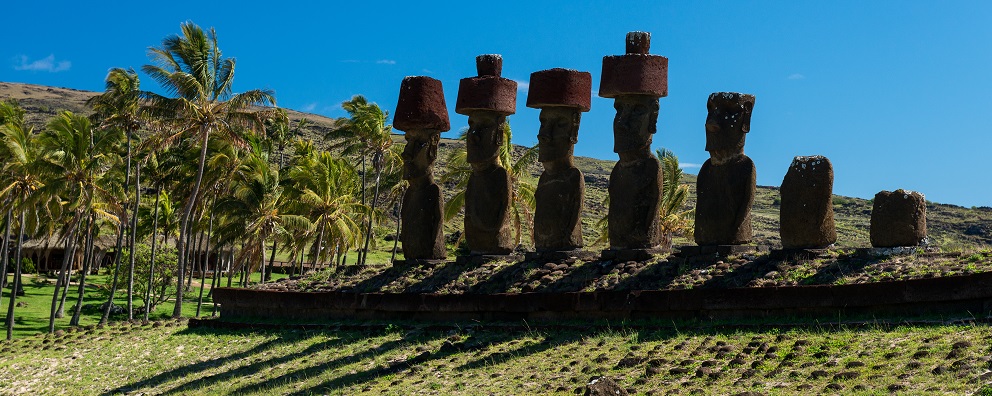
950, 226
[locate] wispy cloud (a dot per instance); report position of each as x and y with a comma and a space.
685, 165
351, 61
309, 107
522, 86
47, 64
796, 76
428, 71
386, 62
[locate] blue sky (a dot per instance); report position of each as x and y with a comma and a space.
898, 94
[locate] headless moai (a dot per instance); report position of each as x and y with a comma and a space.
487, 100
422, 114
635, 81
898, 218
726, 184
807, 210
562, 95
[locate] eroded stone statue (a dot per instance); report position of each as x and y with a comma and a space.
807, 209
422, 114
726, 184
487, 100
898, 218
562, 95
635, 80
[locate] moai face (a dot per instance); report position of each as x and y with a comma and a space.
727, 124
419, 153
635, 122
485, 136
558, 134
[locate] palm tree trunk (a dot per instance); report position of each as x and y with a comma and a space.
203, 267
117, 267
368, 217
63, 278
368, 231
151, 266
5, 254
133, 235
396, 237
17, 281
187, 213
87, 260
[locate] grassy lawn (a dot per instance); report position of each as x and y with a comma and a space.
31, 314
167, 357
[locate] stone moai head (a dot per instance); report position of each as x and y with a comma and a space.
727, 123
486, 99
635, 80
562, 95
423, 115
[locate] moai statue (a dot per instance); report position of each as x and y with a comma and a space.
635, 81
422, 114
487, 100
807, 209
562, 95
898, 218
726, 182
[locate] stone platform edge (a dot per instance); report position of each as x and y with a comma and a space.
969, 295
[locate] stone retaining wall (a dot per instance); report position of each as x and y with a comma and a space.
959, 295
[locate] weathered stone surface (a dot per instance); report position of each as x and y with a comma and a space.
636, 72
488, 91
898, 218
725, 186
421, 105
636, 81
604, 386
487, 100
562, 95
560, 87
422, 113
807, 210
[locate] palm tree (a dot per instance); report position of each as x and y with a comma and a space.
365, 133
324, 189
192, 68
674, 219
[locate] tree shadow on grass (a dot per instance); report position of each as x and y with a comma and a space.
192, 369
260, 366
362, 376
550, 341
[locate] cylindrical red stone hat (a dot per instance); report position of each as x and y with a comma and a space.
488, 91
636, 72
421, 105
560, 88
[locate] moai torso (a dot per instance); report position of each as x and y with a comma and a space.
557, 224
422, 232
487, 212
635, 191
726, 182
807, 209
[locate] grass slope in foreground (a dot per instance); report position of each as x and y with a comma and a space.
167, 357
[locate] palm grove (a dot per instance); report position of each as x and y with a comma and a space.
173, 178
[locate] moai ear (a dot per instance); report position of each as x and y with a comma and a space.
746, 117
574, 136
500, 132
432, 147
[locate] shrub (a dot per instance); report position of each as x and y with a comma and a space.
27, 266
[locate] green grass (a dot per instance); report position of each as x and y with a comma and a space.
166, 357
33, 310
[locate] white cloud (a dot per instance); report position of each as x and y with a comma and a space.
796, 76
351, 61
386, 62
522, 86
309, 107
47, 64
428, 71
685, 165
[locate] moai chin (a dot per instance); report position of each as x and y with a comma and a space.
421, 112
898, 218
807, 209
726, 182
487, 99
635, 81
562, 95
